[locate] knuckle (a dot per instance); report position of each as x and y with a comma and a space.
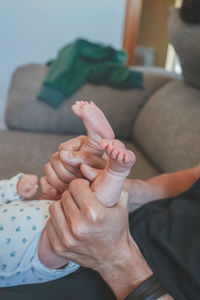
94, 215
79, 230
68, 242
59, 249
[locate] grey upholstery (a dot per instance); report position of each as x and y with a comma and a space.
186, 40
25, 112
168, 127
31, 114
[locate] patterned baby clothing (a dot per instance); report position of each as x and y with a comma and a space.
21, 225
8, 189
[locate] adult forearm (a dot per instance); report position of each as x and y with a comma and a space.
162, 186
131, 271
171, 184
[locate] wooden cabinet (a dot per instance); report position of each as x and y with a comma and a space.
131, 27
146, 25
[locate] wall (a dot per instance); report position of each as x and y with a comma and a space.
34, 30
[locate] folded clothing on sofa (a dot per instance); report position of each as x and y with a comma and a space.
84, 61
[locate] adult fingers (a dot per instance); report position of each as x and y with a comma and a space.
48, 191
75, 158
53, 179
64, 173
58, 247
69, 206
73, 144
57, 244
78, 225
85, 198
61, 225
43, 196
89, 172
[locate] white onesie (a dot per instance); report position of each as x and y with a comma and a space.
21, 225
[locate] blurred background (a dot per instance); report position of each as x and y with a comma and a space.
34, 31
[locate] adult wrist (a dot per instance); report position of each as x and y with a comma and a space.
150, 289
128, 272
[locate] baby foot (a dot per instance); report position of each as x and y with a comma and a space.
96, 125
120, 159
108, 184
27, 186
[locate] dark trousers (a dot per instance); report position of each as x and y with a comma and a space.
84, 284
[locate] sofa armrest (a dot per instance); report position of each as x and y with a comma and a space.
25, 112
167, 127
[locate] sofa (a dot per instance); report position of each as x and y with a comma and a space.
160, 123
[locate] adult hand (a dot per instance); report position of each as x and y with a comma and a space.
47, 191
83, 230
64, 166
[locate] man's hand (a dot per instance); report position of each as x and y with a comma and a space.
64, 166
82, 223
83, 230
47, 191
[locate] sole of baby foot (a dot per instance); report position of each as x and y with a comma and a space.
94, 120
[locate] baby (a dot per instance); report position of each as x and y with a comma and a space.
24, 244
19, 187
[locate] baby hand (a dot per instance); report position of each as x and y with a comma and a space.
27, 186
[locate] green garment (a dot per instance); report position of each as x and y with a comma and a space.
84, 61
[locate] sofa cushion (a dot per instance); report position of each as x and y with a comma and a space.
28, 152
25, 112
168, 127
185, 38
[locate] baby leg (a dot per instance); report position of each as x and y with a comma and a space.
96, 125
109, 183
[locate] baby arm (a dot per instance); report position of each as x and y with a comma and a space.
18, 187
